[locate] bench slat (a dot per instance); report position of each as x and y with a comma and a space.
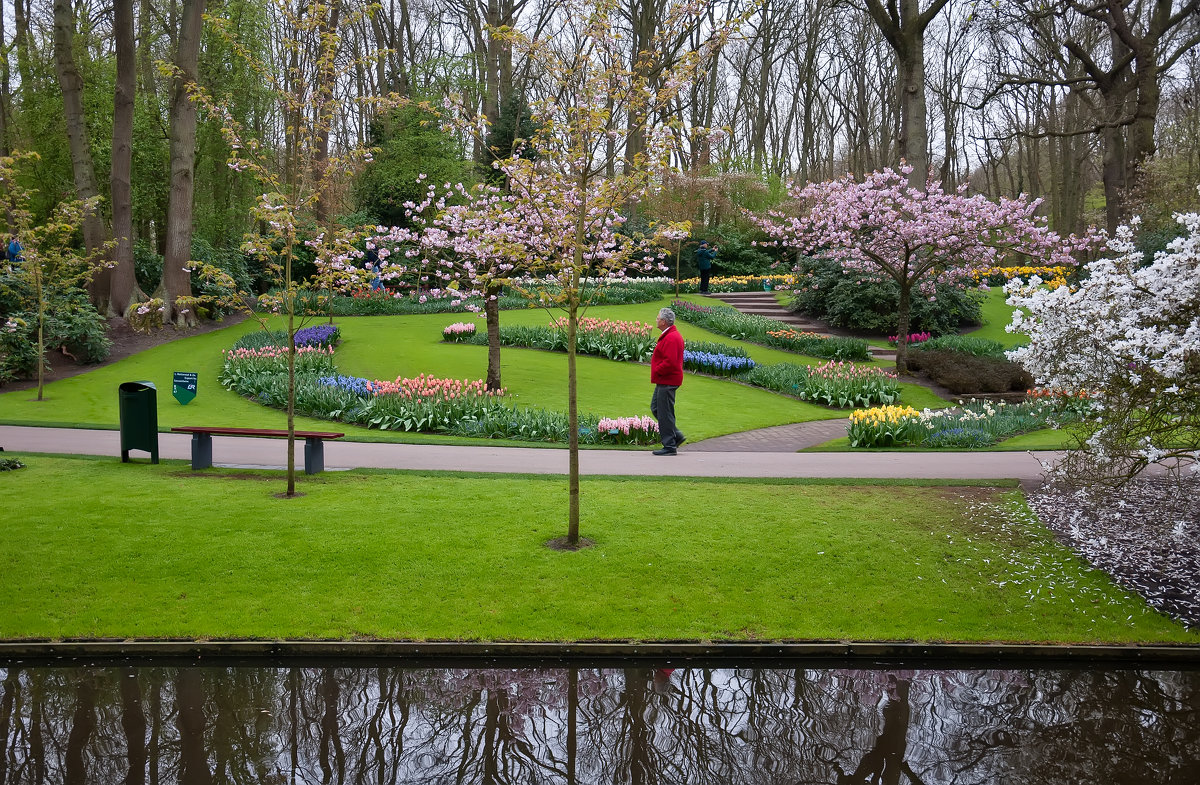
221, 431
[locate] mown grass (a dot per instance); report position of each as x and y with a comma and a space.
996, 316
165, 552
389, 346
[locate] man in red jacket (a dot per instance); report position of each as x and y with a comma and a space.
666, 372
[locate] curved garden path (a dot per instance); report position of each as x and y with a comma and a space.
780, 438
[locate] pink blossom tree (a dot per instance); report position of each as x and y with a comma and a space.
918, 238
464, 243
560, 218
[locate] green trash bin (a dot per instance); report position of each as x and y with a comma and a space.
139, 419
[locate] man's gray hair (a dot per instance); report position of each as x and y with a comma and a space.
667, 315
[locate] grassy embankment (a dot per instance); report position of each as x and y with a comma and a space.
165, 552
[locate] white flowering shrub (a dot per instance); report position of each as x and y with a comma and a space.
1128, 337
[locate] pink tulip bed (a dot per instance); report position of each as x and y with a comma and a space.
459, 407
609, 338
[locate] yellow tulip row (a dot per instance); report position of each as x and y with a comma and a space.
880, 415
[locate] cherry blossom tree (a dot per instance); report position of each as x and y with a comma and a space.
293, 210
567, 189
464, 243
917, 238
1127, 338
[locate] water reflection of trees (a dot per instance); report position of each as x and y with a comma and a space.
632, 725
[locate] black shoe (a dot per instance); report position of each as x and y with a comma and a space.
682, 439
665, 451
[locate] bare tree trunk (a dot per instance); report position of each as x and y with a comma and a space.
191, 723
324, 104
84, 171
491, 310
5, 94
903, 26
11, 686
903, 317
83, 726
176, 281
21, 42
123, 285
133, 722
644, 20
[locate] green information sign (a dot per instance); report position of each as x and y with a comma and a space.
184, 387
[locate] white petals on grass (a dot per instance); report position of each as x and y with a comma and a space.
1145, 539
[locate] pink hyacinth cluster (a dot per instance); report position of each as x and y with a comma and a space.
627, 425
432, 388
837, 370
460, 328
274, 352
607, 326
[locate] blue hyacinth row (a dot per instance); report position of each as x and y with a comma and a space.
716, 363
351, 384
320, 335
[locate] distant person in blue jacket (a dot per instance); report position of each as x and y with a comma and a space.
704, 262
14, 250
374, 266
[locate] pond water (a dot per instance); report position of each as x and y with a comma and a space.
524, 724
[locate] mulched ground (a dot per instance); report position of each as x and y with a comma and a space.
126, 342
1147, 536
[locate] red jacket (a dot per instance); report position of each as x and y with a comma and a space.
666, 364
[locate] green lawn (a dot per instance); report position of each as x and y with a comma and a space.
997, 316
390, 346
165, 552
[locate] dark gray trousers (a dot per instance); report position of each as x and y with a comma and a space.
662, 406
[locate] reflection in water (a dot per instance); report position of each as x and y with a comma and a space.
592, 725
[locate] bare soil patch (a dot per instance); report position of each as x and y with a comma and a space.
126, 341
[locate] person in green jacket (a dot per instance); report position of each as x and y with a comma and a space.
704, 262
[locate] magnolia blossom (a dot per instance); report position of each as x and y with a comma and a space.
1129, 338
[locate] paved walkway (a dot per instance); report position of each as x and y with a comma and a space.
692, 461
780, 438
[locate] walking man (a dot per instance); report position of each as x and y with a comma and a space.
666, 373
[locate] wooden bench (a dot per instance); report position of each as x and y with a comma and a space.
314, 443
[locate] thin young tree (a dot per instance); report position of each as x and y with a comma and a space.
295, 191
51, 264
570, 190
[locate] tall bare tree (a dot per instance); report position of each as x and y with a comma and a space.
903, 24
123, 284
176, 280
82, 167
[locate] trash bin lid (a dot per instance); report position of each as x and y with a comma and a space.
134, 386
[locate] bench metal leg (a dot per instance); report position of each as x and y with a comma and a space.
314, 456
201, 450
